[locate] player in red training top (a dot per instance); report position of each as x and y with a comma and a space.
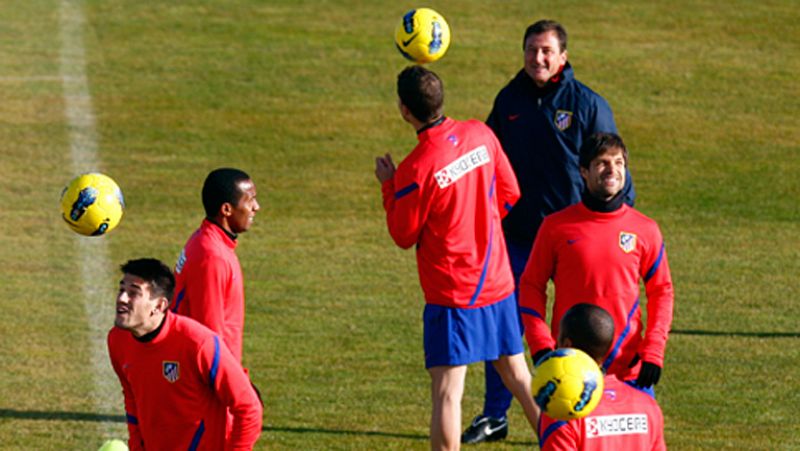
178, 378
597, 251
625, 419
447, 198
209, 282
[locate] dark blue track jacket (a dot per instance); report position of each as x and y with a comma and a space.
542, 130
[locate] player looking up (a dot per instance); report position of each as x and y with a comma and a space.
177, 377
597, 251
624, 419
446, 199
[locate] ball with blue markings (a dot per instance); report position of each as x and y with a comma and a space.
567, 384
422, 36
92, 204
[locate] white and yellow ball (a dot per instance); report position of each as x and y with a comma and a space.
422, 35
567, 384
92, 204
113, 445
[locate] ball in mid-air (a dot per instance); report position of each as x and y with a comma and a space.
422, 35
567, 384
113, 445
92, 204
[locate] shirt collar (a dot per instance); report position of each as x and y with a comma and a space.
430, 125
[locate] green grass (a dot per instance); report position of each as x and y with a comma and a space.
301, 95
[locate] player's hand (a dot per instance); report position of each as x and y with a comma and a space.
649, 375
384, 168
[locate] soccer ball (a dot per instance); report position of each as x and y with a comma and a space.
114, 445
567, 384
92, 204
422, 35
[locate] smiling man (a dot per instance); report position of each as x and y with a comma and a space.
541, 118
209, 281
179, 381
597, 251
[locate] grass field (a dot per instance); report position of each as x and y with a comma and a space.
301, 95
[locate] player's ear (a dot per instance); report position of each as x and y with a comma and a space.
226, 209
584, 174
162, 304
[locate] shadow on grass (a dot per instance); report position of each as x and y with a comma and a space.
60, 416
735, 334
419, 437
311, 430
103, 418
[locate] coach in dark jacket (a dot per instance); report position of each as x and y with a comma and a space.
541, 118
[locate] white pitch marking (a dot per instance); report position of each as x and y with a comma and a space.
96, 272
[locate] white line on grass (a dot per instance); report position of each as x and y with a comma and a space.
93, 252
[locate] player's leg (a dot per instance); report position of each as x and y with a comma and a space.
492, 424
516, 376
497, 398
447, 389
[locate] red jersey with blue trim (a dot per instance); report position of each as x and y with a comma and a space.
625, 419
179, 387
209, 286
447, 198
599, 258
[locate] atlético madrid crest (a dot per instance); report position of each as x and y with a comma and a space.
171, 371
627, 241
563, 119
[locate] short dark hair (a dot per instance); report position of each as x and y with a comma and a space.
598, 144
422, 92
590, 328
221, 186
154, 272
543, 26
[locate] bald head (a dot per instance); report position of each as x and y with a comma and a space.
589, 328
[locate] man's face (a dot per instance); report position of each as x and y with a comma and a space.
137, 309
543, 57
606, 174
242, 214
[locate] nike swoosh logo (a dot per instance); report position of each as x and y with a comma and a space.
513, 117
405, 43
489, 431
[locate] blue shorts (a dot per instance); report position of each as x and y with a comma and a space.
455, 336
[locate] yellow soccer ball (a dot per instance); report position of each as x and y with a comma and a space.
92, 204
422, 35
114, 445
567, 384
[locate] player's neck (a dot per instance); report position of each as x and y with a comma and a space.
224, 226
430, 124
602, 205
149, 336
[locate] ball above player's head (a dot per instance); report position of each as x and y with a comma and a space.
567, 384
113, 445
92, 204
422, 35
